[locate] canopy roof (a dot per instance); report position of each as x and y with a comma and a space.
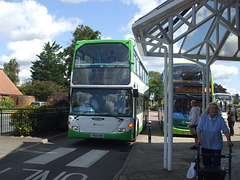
202, 30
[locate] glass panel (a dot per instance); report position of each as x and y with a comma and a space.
191, 72
103, 64
102, 102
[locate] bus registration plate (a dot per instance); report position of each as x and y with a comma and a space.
97, 135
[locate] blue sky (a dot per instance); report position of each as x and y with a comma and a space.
27, 24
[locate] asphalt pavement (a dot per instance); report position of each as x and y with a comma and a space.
145, 160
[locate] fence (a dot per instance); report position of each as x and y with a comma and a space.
34, 122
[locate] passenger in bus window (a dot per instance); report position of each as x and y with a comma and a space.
209, 132
91, 102
194, 117
112, 57
177, 107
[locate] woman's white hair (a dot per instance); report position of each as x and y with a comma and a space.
213, 103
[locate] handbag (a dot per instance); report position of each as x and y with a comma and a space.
193, 131
192, 171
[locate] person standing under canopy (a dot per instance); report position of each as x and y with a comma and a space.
209, 133
231, 118
194, 117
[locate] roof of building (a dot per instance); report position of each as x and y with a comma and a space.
6, 85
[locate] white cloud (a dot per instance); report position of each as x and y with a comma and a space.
129, 36
230, 46
29, 20
25, 27
24, 74
232, 91
74, 1
144, 7
108, 37
80, 1
153, 63
224, 73
25, 51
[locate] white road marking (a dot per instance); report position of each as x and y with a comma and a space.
88, 159
5, 170
50, 156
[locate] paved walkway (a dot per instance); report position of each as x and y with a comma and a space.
146, 159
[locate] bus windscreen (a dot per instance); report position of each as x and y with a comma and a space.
102, 64
107, 102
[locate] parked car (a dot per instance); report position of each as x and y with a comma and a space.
38, 103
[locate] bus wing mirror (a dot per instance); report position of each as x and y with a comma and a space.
135, 92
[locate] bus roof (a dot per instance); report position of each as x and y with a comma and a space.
101, 41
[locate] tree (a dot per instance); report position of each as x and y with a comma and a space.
11, 69
81, 33
154, 80
50, 66
41, 90
218, 88
26, 88
235, 99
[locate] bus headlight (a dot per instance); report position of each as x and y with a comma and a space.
121, 130
75, 128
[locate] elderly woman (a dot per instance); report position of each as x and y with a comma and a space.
209, 134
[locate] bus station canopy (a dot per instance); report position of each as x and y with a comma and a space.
202, 31
201, 28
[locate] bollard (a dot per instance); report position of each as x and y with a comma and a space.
149, 131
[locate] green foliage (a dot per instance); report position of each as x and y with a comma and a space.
41, 90
154, 107
81, 33
238, 113
154, 81
235, 100
6, 102
23, 125
11, 69
59, 100
50, 66
38, 120
26, 88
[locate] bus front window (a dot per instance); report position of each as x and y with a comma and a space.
102, 63
101, 102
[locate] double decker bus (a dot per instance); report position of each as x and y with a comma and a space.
108, 91
223, 99
187, 86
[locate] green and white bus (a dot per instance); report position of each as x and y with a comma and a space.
108, 91
187, 86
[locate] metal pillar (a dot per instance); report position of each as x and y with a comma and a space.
170, 97
165, 109
203, 88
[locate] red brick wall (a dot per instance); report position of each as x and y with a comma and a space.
21, 101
